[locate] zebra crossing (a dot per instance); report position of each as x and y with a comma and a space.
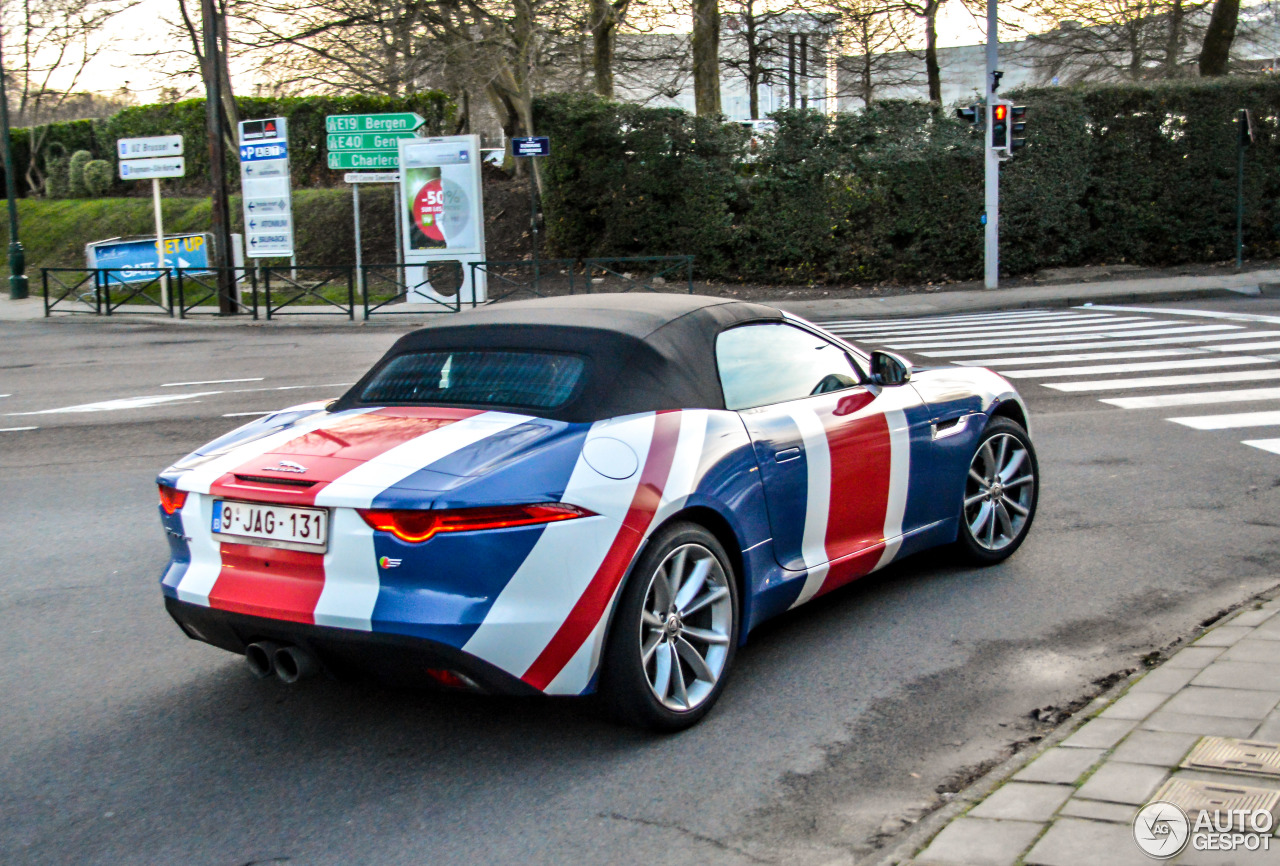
1181, 361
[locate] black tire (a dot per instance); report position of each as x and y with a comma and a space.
995, 539
626, 691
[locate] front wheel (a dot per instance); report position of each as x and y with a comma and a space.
674, 636
1000, 493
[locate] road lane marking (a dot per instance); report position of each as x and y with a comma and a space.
250, 414
1229, 422
1070, 329
1143, 367
1062, 338
16, 429
211, 382
1111, 344
1249, 347
1162, 381
1272, 445
160, 399
1080, 356
1199, 398
1047, 325
1203, 314
967, 317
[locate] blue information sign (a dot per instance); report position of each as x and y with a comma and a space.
538, 145
135, 260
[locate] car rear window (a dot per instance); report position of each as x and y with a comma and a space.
538, 380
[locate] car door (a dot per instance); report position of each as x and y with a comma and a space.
833, 449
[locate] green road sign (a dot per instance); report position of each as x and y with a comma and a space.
367, 140
405, 121
376, 160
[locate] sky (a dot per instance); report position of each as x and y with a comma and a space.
140, 28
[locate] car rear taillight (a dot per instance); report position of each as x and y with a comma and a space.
172, 499
417, 526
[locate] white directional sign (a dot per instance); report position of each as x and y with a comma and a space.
265, 187
156, 145
152, 167
371, 177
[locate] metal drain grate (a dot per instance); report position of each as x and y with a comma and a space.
1195, 797
1235, 756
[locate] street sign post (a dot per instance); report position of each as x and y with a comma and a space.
265, 188
538, 145
371, 177
356, 179
152, 158
529, 147
156, 145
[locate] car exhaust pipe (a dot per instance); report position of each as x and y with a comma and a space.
293, 664
261, 658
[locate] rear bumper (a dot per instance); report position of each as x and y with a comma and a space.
392, 659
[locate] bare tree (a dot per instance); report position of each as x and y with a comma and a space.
49, 44
776, 42
927, 11
1128, 40
873, 53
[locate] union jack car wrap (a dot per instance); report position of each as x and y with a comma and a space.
805, 495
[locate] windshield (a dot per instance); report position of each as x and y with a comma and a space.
538, 380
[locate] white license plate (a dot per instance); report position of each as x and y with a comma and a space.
272, 525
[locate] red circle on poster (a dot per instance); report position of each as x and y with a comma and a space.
428, 205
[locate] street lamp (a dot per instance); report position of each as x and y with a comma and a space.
17, 258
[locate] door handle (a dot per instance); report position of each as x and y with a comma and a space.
786, 455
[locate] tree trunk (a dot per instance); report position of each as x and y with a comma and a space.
1216, 51
706, 57
604, 26
753, 59
931, 69
1173, 39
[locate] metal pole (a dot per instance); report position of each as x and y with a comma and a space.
1240, 196
991, 161
533, 209
164, 276
395, 188
217, 159
355, 207
17, 257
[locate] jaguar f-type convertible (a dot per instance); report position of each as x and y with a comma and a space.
600, 494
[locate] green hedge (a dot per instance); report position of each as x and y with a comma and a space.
307, 150
1123, 173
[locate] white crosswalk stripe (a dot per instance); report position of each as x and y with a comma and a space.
1095, 350
1196, 398
1079, 356
1060, 338
1143, 367
1230, 422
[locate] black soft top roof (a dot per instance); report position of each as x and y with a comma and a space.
644, 352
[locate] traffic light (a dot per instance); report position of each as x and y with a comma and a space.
971, 114
1018, 123
999, 126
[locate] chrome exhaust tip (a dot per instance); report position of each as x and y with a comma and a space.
261, 658
293, 664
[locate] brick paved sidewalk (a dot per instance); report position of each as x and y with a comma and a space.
1074, 804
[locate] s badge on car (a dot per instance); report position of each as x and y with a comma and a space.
388, 562
285, 466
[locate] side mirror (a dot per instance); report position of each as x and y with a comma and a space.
889, 369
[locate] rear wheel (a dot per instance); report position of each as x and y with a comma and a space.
674, 636
1000, 493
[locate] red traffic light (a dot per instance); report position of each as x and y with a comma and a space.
1001, 111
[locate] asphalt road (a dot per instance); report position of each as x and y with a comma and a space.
123, 742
